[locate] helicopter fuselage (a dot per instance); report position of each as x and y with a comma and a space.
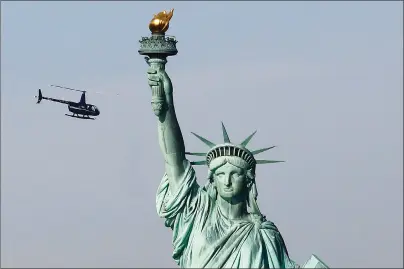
77, 108
86, 109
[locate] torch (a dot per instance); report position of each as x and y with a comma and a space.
157, 48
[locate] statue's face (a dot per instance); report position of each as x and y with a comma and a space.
157, 107
230, 181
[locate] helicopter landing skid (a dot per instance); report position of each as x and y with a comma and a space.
82, 118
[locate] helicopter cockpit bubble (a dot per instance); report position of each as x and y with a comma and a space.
96, 110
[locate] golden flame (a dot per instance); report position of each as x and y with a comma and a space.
160, 22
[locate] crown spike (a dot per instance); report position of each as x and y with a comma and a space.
207, 142
196, 153
199, 163
245, 142
225, 135
255, 152
268, 161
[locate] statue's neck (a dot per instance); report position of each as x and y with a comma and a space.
234, 210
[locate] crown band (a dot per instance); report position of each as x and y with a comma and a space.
232, 150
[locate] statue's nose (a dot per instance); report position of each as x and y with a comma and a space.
227, 181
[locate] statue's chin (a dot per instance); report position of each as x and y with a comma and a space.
232, 197
228, 196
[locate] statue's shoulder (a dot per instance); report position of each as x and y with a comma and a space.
268, 226
269, 230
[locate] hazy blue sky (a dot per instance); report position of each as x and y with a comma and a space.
321, 80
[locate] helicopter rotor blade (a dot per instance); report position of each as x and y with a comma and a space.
67, 88
98, 92
106, 93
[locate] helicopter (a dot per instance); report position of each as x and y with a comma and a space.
77, 108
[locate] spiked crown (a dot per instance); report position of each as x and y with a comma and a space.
230, 149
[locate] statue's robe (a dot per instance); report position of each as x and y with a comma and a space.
205, 238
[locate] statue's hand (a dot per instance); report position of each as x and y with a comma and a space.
158, 79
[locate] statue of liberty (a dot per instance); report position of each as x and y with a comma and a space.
217, 224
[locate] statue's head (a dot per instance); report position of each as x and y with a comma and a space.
232, 177
232, 170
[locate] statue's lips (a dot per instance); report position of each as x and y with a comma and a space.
228, 189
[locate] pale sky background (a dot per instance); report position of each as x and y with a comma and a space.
321, 80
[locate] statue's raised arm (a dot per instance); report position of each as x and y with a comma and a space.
158, 47
169, 132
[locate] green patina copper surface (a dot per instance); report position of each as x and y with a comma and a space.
217, 224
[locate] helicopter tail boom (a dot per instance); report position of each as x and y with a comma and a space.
39, 96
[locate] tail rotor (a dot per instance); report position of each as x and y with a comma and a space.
39, 96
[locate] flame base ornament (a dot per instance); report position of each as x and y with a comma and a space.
218, 224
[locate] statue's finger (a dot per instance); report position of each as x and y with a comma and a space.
154, 77
153, 83
151, 71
